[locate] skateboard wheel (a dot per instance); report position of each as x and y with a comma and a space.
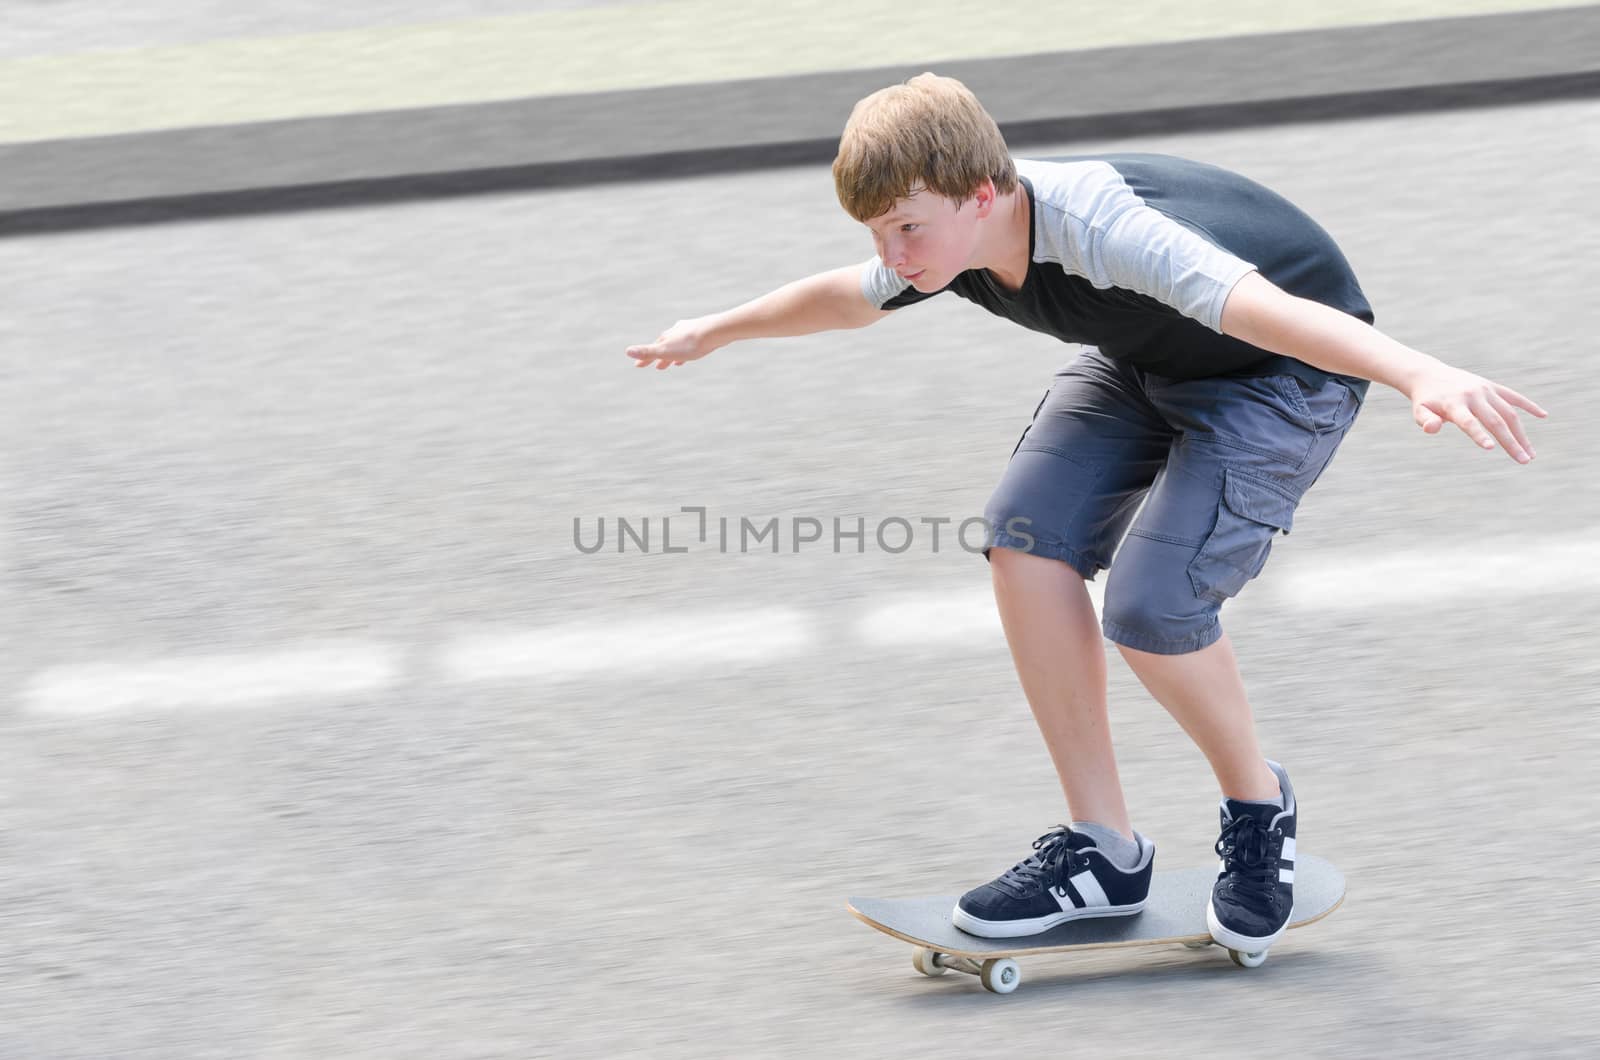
1000, 975
1248, 960
926, 961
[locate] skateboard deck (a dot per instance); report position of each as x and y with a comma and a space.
1174, 913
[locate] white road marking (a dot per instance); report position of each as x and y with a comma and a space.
933, 620
961, 617
1349, 579
1495, 567
964, 619
942, 619
225, 681
669, 642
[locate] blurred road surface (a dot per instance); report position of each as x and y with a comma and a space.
321, 737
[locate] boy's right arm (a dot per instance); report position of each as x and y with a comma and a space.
827, 301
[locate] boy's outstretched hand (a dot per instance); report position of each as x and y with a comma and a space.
684, 341
1482, 408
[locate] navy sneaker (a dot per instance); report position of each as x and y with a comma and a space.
1067, 879
1254, 893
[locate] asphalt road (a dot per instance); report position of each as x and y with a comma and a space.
322, 738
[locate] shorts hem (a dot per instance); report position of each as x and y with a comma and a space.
1130, 638
1085, 567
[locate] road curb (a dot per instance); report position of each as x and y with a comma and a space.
553, 141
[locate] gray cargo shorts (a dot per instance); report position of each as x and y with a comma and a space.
1220, 463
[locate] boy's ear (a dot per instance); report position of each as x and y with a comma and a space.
984, 195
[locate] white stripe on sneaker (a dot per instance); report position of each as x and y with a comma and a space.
1089, 888
1285, 875
1288, 850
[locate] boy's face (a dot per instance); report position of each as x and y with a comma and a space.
927, 238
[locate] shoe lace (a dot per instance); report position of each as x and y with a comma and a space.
1050, 867
1247, 856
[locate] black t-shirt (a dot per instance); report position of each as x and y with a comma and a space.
1136, 254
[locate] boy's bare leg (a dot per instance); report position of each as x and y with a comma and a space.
1203, 691
1056, 644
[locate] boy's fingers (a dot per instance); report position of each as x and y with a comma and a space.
1513, 423
1462, 417
645, 349
1489, 419
1475, 431
1520, 401
1504, 431
1484, 420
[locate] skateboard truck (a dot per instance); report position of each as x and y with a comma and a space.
999, 975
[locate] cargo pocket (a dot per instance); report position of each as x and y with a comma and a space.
1251, 512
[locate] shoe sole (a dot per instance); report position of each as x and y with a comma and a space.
1245, 943
1011, 929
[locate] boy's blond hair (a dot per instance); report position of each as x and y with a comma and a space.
930, 132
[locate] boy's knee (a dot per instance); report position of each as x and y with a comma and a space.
1150, 604
1008, 563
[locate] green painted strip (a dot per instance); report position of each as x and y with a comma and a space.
566, 52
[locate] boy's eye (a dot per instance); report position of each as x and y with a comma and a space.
908, 227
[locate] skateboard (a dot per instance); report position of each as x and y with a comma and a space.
1173, 914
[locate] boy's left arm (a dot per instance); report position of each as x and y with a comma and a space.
1260, 313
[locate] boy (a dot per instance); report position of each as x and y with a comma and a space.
1228, 351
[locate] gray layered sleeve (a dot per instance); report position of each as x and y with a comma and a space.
879, 283
1096, 227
